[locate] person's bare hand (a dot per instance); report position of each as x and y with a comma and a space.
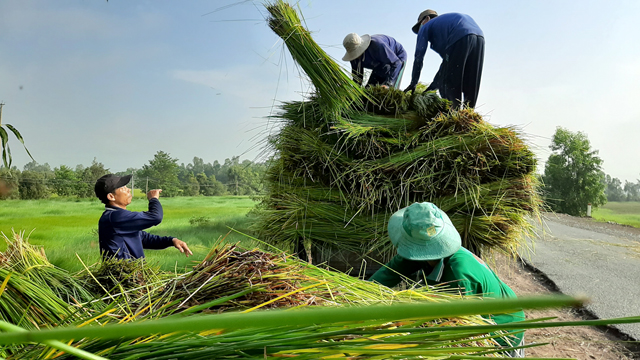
154, 194
182, 246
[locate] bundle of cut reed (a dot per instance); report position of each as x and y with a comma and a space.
267, 280
337, 176
31, 262
129, 278
232, 279
425, 323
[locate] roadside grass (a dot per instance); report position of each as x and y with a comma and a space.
626, 212
66, 227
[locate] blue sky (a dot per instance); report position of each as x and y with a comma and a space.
120, 80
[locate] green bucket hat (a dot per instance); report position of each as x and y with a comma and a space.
422, 231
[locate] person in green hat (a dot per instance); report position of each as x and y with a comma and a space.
427, 241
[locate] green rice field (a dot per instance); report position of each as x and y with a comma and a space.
627, 213
66, 227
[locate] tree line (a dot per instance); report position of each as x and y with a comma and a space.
572, 178
232, 177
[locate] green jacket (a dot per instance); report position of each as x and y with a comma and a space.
463, 271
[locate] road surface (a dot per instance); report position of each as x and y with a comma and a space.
601, 261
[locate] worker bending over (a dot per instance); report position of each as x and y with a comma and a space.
460, 43
427, 241
382, 54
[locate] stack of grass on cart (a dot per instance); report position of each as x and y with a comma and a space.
347, 158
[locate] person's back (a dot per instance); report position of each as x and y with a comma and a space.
444, 30
460, 43
470, 274
382, 54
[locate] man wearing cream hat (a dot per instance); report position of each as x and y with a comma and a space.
382, 54
427, 241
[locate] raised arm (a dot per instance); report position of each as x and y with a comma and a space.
130, 221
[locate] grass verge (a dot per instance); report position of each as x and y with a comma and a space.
627, 213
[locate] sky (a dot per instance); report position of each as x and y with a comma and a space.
120, 80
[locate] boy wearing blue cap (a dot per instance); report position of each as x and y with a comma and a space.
426, 240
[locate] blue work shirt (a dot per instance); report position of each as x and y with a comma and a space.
384, 56
442, 32
120, 231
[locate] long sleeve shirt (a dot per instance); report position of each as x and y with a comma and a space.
384, 56
442, 32
120, 231
461, 271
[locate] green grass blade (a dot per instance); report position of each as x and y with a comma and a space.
6, 152
81, 354
19, 137
266, 319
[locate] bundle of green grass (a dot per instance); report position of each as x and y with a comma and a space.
347, 158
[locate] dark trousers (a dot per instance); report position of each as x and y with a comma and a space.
461, 71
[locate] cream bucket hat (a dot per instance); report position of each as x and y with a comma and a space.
355, 46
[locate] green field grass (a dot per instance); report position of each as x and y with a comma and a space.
627, 213
66, 227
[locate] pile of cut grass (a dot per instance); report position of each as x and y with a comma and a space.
338, 174
233, 279
260, 295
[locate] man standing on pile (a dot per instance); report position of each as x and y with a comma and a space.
382, 54
427, 242
460, 43
120, 230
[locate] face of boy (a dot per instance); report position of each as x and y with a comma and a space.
121, 197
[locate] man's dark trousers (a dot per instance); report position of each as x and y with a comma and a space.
462, 70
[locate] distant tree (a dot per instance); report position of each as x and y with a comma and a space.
129, 171
65, 182
162, 173
212, 169
41, 168
573, 174
197, 166
190, 186
33, 185
9, 183
614, 190
209, 186
87, 178
632, 190
244, 178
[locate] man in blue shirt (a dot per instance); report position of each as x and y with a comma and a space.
460, 43
382, 54
120, 231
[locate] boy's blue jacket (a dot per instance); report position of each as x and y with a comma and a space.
121, 235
